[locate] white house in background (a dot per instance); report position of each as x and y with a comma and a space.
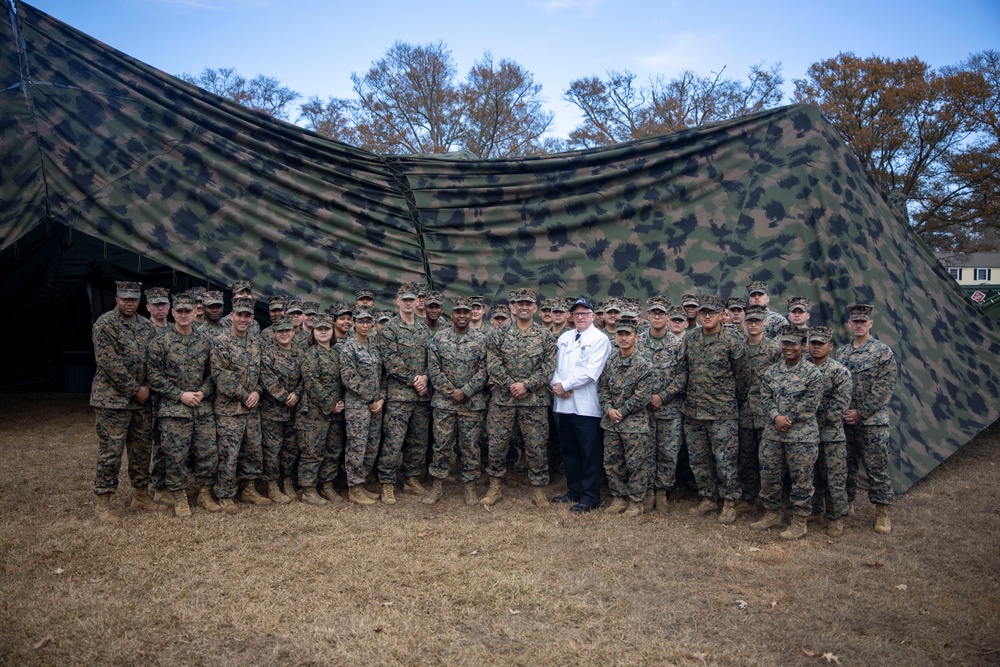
974, 268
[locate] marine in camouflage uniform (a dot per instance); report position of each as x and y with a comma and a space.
275, 307
775, 323
521, 358
403, 347
212, 300
873, 373
120, 396
612, 312
624, 390
790, 393
179, 374
241, 289
157, 305
761, 352
669, 378
235, 363
717, 375
456, 363
364, 398
831, 466
281, 381
320, 419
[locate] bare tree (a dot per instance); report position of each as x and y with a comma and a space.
261, 93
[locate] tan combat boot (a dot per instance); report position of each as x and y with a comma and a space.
275, 494
288, 488
836, 528
617, 506
369, 494
634, 508
164, 497
728, 513
356, 495
434, 494
250, 495
102, 509
493, 494
851, 510
704, 507
649, 502
310, 496
181, 508
471, 497
228, 506
797, 529
327, 491
389, 494
413, 485
661, 501
745, 507
770, 519
142, 501
539, 498
882, 524
205, 500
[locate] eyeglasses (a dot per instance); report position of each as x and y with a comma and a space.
581, 313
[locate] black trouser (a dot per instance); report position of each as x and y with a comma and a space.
582, 445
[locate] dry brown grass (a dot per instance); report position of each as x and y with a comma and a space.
413, 585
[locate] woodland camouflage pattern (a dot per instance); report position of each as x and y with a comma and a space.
95, 141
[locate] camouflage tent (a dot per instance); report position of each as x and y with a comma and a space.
96, 142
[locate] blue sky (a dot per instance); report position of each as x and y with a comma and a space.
313, 46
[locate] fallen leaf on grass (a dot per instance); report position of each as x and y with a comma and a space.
474, 553
388, 604
513, 612
743, 604
811, 654
829, 657
752, 549
698, 656
874, 563
421, 534
901, 587
42, 642
774, 603
59, 570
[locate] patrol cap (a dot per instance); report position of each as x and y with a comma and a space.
525, 294
737, 302
423, 289
820, 335
383, 315
710, 303
561, 305
126, 289
690, 300
461, 303
183, 301
477, 300
363, 314
658, 302
612, 304
756, 313
792, 334
434, 297
547, 304
212, 298
364, 293
407, 291
339, 308
599, 307
629, 324
677, 313
310, 307
282, 323
798, 303
197, 293
628, 312
510, 295
323, 321
293, 307
582, 301
242, 305
276, 303
500, 310
633, 305
241, 286
860, 312
157, 295
757, 287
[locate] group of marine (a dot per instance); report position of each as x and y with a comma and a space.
771, 415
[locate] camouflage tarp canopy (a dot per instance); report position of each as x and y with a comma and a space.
96, 142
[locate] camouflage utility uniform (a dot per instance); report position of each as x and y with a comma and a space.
626, 385
280, 375
321, 431
123, 424
179, 363
235, 363
831, 466
669, 378
361, 374
403, 349
528, 356
794, 392
457, 361
753, 420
